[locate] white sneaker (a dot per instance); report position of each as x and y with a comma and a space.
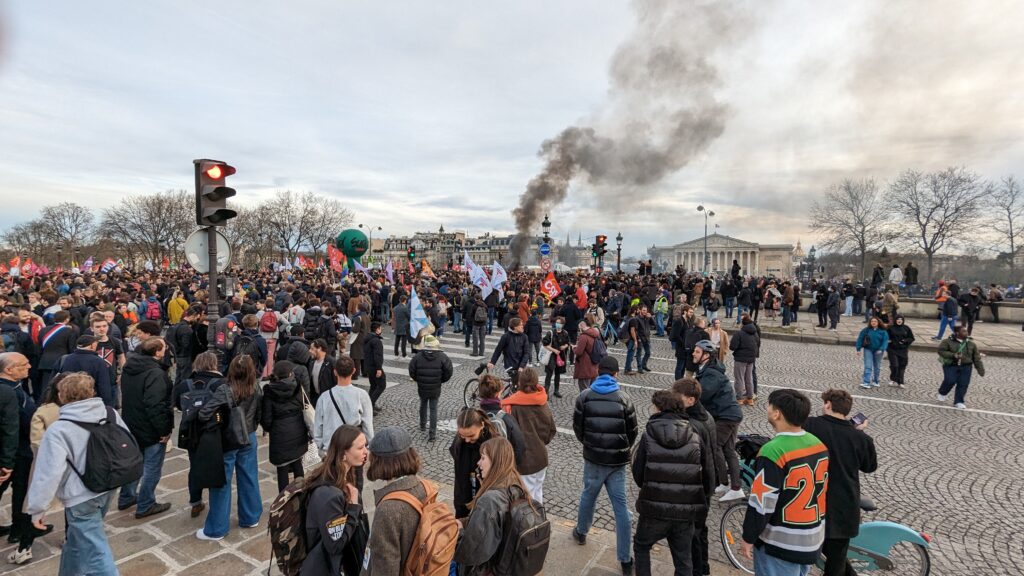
20, 556
732, 495
893, 384
960, 406
865, 386
721, 489
202, 536
940, 397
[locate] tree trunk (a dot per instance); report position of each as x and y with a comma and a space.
931, 277
863, 264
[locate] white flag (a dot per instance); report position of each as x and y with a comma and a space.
479, 278
498, 277
467, 262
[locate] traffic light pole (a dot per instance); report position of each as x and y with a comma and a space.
212, 301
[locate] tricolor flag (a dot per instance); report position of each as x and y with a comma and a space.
389, 271
417, 315
88, 263
550, 287
107, 265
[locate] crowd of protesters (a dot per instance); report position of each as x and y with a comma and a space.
84, 352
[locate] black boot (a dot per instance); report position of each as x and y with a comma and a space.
18, 525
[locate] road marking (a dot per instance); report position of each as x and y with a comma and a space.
450, 426
905, 402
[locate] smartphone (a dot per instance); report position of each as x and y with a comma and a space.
858, 418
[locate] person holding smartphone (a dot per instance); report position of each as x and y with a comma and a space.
850, 452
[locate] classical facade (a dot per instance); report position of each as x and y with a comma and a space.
753, 258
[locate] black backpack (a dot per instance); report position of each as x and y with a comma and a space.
112, 457
598, 351
246, 344
527, 534
197, 393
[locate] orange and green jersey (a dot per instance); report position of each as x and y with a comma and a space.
786, 510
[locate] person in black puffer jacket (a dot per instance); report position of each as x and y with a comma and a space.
430, 368
719, 399
667, 466
605, 422
703, 424
745, 346
282, 419
900, 339
301, 360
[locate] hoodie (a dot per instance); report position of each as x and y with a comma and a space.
717, 394
64, 443
667, 467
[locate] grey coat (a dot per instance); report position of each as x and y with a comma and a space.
401, 316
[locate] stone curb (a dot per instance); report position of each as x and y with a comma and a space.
770, 334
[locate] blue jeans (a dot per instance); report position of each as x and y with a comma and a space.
613, 479
680, 367
765, 565
872, 365
849, 306
490, 319
644, 355
857, 306
730, 303
740, 310
959, 376
441, 323
86, 550
787, 315
250, 505
659, 322
630, 352
867, 311
945, 321
145, 488
457, 321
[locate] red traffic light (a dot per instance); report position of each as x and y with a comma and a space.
218, 171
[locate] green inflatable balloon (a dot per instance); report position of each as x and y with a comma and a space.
352, 243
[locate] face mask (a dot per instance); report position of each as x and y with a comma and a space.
558, 326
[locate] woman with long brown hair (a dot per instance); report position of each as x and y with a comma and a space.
474, 428
483, 532
336, 528
240, 398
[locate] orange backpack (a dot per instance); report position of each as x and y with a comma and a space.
436, 537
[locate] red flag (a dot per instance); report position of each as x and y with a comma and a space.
166, 263
16, 261
334, 256
3, 269
412, 269
550, 286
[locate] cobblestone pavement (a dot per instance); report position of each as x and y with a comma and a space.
955, 475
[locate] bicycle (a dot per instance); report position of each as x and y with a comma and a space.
471, 398
880, 545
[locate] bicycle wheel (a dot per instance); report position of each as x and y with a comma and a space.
469, 393
908, 559
731, 531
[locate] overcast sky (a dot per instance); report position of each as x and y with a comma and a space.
417, 114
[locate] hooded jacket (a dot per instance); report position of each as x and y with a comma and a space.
64, 443
373, 354
667, 466
430, 369
282, 419
584, 368
605, 422
900, 335
745, 344
716, 392
534, 420
298, 354
146, 400
704, 425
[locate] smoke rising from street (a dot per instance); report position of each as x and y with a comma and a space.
661, 111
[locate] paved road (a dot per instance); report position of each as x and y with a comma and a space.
955, 475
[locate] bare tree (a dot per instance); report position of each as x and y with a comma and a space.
303, 220
179, 210
139, 226
1008, 200
938, 209
325, 218
68, 224
28, 238
852, 219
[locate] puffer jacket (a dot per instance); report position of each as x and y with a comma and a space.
717, 394
146, 400
704, 425
282, 419
745, 344
667, 468
534, 419
430, 369
900, 336
605, 422
298, 354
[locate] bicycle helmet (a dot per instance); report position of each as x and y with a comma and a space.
707, 346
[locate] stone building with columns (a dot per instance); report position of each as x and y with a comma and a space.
754, 259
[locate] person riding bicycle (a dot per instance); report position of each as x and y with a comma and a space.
514, 346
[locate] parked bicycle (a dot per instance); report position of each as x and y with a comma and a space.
881, 546
471, 397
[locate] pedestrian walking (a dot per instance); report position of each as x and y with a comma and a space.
189, 396
959, 356
719, 399
745, 346
282, 419
528, 406
900, 339
667, 467
400, 324
872, 342
556, 343
373, 364
604, 421
430, 368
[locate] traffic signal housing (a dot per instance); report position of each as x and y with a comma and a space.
212, 192
411, 253
602, 246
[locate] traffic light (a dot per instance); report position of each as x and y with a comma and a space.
593, 250
411, 253
602, 246
212, 192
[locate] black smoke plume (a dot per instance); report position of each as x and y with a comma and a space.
661, 111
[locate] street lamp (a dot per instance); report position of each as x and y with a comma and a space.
60, 257
78, 256
707, 214
546, 225
369, 250
618, 252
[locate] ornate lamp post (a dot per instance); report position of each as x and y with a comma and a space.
369, 249
618, 253
707, 214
